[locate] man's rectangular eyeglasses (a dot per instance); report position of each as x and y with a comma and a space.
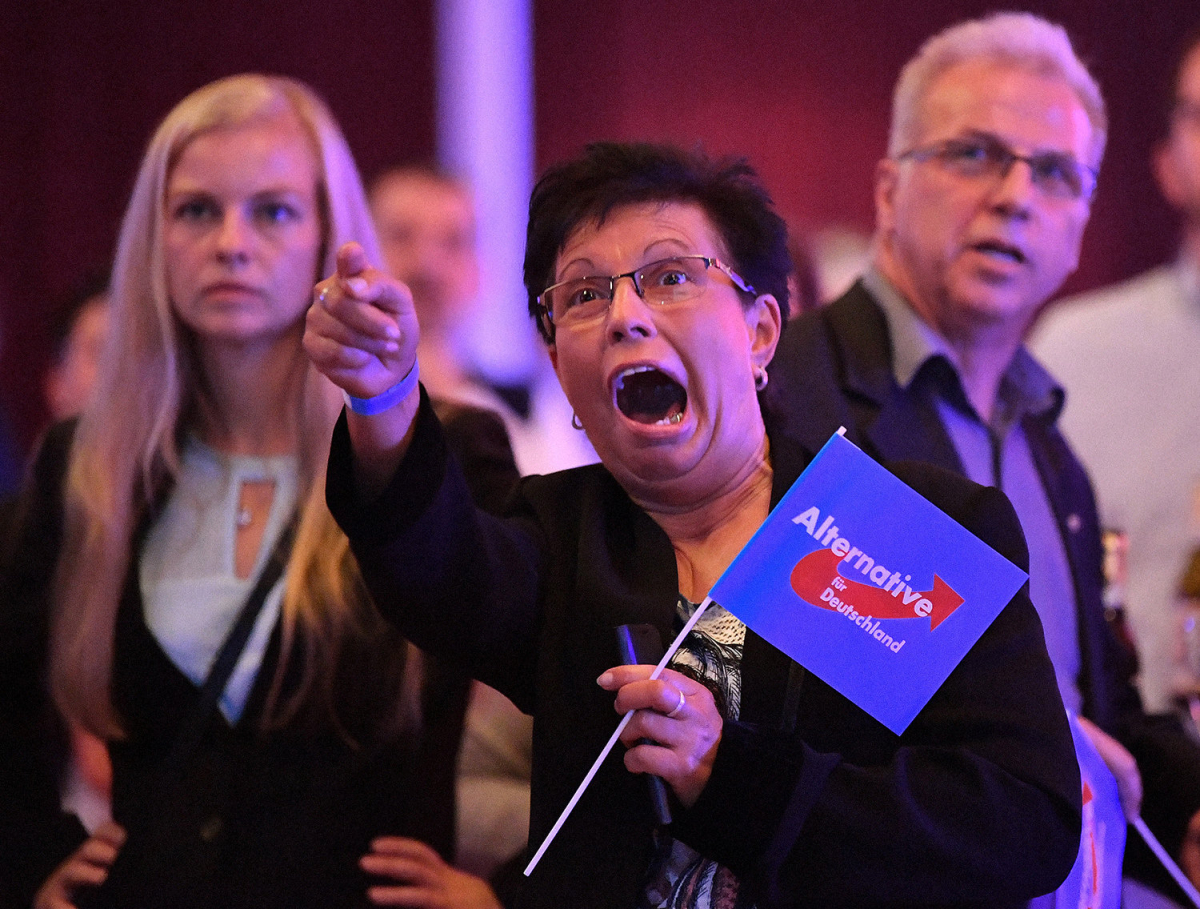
660, 283
1055, 173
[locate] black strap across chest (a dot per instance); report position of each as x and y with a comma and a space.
193, 726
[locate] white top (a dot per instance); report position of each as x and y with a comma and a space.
1129, 359
190, 590
543, 442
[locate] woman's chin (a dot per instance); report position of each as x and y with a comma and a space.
649, 457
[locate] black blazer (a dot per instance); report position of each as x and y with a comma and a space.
833, 367
813, 803
258, 819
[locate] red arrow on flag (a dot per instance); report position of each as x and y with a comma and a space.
813, 578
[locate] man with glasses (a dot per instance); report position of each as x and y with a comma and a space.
997, 134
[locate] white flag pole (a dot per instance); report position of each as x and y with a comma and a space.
1167, 862
666, 657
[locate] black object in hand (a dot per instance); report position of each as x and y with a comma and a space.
642, 645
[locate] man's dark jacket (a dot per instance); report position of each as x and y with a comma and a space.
834, 368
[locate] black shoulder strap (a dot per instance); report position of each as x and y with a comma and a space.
193, 727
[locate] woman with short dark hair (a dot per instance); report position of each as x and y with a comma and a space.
659, 280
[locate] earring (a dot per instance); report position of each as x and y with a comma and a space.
575, 421
760, 378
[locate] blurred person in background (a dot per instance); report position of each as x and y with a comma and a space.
839, 255
79, 334
72, 763
1129, 358
804, 292
425, 217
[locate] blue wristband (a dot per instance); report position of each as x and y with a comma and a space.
385, 400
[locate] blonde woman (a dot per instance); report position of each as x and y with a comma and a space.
323, 773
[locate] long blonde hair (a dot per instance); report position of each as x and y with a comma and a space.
126, 448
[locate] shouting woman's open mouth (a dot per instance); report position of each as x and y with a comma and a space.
647, 395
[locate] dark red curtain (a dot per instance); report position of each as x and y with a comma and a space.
83, 84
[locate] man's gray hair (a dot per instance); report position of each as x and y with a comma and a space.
1018, 39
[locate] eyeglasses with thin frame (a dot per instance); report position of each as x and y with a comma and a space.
1056, 174
661, 283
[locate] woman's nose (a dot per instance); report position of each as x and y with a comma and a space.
233, 237
628, 314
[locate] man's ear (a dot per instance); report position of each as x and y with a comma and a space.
887, 177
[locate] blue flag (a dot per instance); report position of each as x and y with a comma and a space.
1095, 881
867, 585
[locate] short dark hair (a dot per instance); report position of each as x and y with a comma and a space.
613, 174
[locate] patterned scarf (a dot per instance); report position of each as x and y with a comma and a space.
681, 878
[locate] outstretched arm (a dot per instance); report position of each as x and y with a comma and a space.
361, 333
